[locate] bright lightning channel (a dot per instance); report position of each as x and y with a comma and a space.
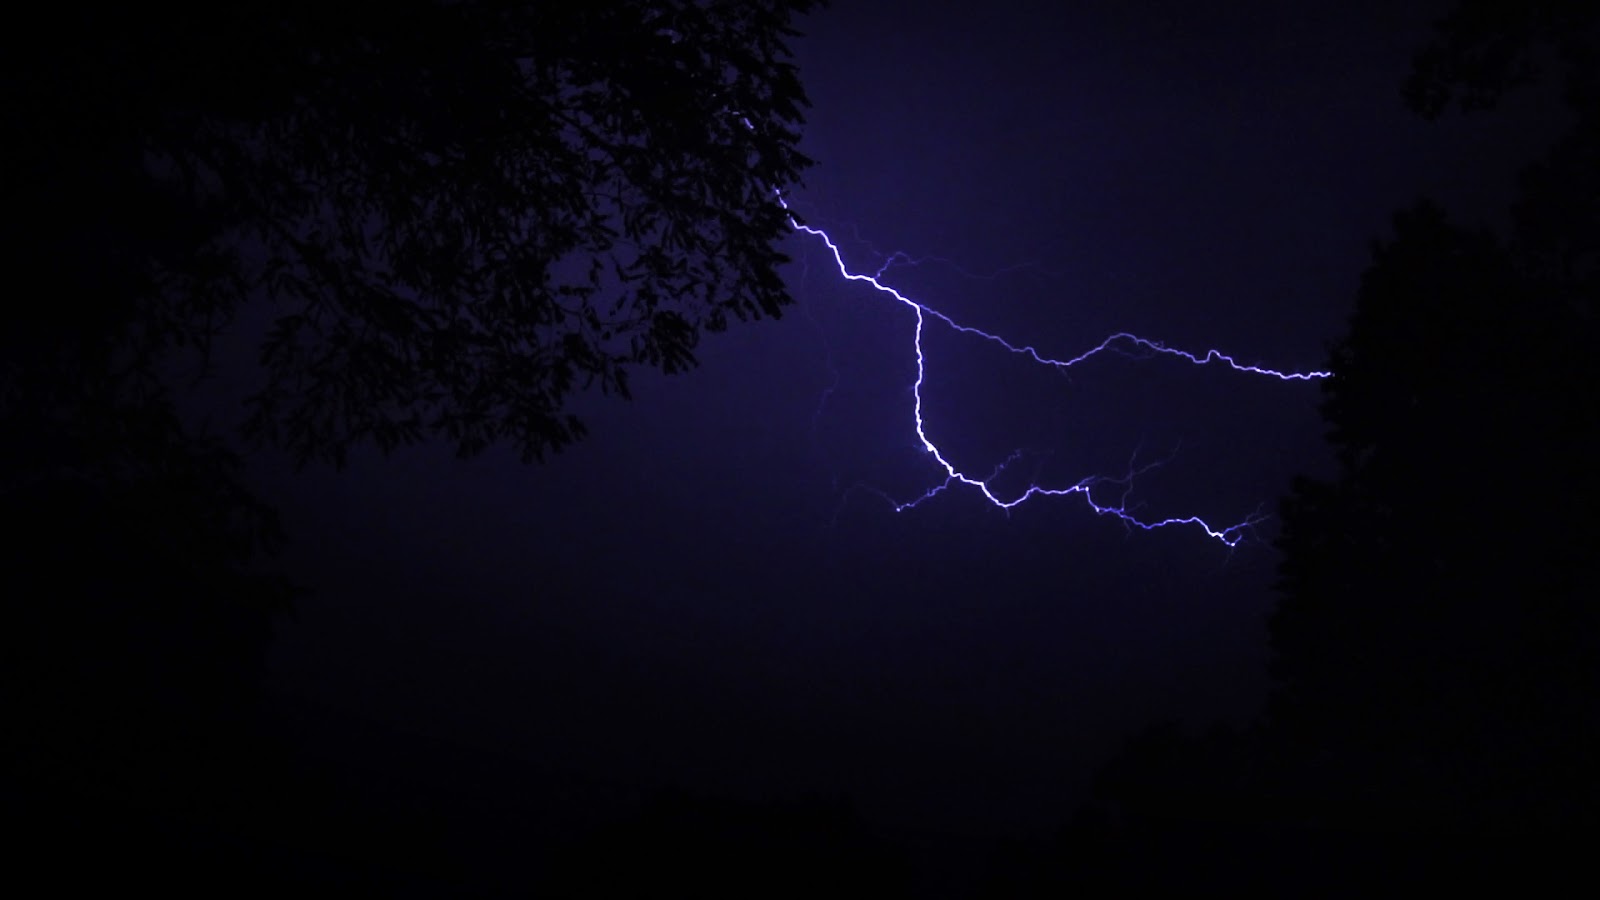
1230, 535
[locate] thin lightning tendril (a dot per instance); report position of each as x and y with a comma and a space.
1121, 342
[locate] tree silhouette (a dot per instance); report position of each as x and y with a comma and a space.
1436, 639
1436, 642
460, 212
1434, 614
1484, 49
438, 218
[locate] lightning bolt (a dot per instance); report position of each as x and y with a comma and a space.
1122, 342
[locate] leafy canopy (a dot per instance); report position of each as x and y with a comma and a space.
460, 212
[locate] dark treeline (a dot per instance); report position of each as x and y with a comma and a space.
1436, 639
391, 190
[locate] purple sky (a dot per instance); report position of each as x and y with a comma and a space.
691, 597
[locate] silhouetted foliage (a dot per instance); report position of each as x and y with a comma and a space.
1485, 48
461, 212
1437, 642
1437, 629
1437, 638
435, 219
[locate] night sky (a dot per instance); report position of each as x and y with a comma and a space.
708, 595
